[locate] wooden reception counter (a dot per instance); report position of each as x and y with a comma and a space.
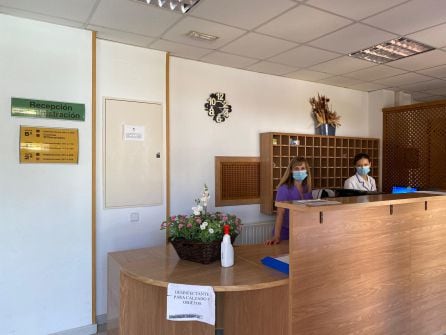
251, 298
370, 265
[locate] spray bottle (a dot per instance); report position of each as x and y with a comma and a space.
227, 250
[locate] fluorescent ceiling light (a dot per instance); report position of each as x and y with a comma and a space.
182, 6
201, 36
391, 50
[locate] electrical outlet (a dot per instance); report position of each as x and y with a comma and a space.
134, 217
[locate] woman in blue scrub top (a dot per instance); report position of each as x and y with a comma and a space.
361, 180
294, 185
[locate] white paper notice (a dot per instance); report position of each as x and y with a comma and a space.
133, 133
191, 303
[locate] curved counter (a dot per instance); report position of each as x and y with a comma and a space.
373, 264
251, 298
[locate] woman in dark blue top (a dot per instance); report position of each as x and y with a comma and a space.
294, 185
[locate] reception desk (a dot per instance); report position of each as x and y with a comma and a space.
251, 298
371, 264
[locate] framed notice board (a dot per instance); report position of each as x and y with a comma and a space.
133, 137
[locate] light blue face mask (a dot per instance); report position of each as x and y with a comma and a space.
300, 175
363, 170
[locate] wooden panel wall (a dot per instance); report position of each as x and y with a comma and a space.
414, 139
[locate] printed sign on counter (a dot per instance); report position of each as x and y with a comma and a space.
191, 303
48, 145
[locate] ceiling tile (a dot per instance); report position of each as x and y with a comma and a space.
375, 72
341, 65
340, 81
435, 36
367, 87
431, 98
355, 9
270, 68
225, 59
119, 36
134, 17
179, 50
437, 91
424, 85
352, 38
308, 75
304, 56
302, 24
437, 72
78, 10
246, 14
258, 46
225, 34
411, 16
421, 61
419, 95
402, 79
40, 17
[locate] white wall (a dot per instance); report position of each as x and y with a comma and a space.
260, 103
45, 209
135, 74
377, 101
402, 98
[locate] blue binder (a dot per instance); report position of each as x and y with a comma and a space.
280, 263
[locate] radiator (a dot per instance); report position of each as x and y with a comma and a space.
255, 233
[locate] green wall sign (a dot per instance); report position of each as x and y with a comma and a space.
47, 109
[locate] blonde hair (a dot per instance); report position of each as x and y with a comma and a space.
287, 177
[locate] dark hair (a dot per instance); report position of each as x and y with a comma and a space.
360, 156
287, 178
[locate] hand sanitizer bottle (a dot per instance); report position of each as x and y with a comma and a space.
227, 251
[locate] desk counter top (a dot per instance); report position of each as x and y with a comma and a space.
371, 200
160, 266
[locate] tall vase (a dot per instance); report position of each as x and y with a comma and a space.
326, 129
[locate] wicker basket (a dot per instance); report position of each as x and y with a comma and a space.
196, 251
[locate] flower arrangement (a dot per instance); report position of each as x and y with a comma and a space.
322, 113
201, 226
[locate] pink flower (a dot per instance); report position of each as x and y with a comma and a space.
189, 225
180, 226
225, 218
198, 220
173, 218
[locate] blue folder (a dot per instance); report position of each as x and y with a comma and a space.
277, 263
403, 189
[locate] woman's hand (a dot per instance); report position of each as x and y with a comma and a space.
274, 240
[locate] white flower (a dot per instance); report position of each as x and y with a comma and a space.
204, 201
197, 210
205, 223
211, 231
202, 227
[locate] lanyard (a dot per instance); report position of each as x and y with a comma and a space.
363, 183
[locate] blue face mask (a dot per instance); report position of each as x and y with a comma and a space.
363, 170
300, 175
